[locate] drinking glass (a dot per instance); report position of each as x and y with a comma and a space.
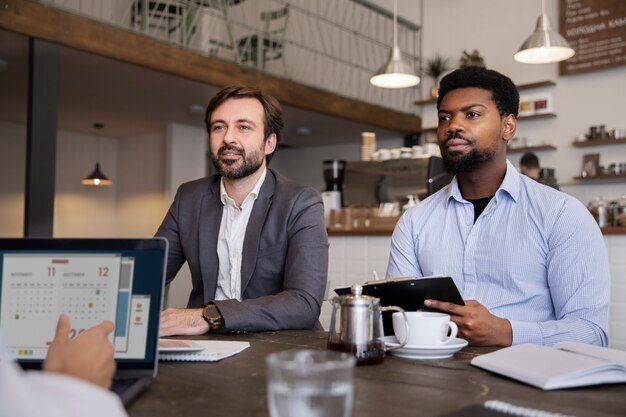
310, 383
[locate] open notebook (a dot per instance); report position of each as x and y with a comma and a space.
566, 365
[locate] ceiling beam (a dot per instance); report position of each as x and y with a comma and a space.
54, 25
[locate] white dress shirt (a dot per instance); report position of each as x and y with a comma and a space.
535, 256
230, 241
34, 394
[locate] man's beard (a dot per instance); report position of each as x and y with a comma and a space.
235, 170
464, 163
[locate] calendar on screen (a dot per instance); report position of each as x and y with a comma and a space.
91, 288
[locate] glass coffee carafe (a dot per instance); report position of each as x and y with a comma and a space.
356, 326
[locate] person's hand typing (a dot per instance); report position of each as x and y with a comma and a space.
476, 324
182, 321
89, 356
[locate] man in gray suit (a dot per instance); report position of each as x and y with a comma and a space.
256, 243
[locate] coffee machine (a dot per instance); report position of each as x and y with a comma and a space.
371, 183
332, 197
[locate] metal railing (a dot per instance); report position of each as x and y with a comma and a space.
334, 45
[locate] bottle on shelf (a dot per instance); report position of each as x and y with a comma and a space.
619, 212
600, 211
412, 200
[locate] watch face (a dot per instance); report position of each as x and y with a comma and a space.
211, 313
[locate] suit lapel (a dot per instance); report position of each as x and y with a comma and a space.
209, 225
254, 228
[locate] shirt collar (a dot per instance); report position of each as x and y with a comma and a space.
254, 193
510, 185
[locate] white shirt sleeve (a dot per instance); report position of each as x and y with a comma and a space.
31, 394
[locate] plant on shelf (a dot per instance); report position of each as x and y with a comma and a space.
471, 60
435, 68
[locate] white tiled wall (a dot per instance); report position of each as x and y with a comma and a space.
616, 245
352, 259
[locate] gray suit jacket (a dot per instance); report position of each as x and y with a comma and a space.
284, 260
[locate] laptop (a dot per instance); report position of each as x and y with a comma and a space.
120, 280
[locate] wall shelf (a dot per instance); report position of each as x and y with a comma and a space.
537, 116
425, 101
538, 84
599, 142
427, 129
532, 149
603, 178
613, 230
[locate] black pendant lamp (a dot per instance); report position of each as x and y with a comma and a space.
96, 178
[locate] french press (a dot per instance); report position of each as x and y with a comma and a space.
356, 326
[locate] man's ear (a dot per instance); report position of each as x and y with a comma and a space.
270, 144
509, 126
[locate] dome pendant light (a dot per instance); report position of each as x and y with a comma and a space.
395, 73
545, 45
96, 178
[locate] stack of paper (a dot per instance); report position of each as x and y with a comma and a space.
198, 350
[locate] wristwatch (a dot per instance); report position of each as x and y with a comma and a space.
212, 316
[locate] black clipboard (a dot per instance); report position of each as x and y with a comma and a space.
408, 293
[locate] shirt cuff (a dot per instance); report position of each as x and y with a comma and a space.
526, 332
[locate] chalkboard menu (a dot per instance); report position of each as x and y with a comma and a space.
596, 29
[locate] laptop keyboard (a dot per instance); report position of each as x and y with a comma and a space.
120, 385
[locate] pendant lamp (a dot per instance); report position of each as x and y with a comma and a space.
395, 73
96, 178
545, 45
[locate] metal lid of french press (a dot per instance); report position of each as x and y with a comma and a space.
356, 298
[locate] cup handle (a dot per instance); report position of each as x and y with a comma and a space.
406, 325
454, 329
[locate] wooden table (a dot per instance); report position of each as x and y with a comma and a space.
236, 386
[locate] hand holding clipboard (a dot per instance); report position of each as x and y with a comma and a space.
410, 292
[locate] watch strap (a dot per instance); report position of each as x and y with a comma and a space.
211, 314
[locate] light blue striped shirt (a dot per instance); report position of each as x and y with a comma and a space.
535, 256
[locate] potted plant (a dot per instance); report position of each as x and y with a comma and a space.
471, 60
435, 68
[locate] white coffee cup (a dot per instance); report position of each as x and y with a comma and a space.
384, 154
425, 328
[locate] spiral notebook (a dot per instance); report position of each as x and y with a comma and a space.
495, 408
211, 350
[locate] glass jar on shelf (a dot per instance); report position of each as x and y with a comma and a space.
619, 212
600, 211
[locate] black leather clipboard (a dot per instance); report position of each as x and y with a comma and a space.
409, 293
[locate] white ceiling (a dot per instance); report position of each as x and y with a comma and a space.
131, 100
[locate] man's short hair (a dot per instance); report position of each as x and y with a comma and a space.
273, 121
529, 160
503, 90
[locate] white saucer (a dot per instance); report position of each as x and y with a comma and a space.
424, 352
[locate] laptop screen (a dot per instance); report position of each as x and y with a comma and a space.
120, 280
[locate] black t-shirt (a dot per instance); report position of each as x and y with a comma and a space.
479, 205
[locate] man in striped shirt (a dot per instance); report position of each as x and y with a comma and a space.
529, 261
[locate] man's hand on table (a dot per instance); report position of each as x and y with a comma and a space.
476, 324
182, 321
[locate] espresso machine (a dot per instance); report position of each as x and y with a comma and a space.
332, 197
371, 183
